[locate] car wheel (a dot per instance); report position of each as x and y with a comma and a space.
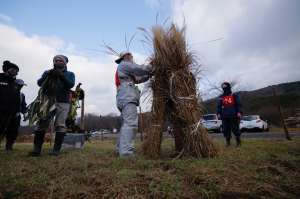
242, 130
267, 129
262, 129
220, 129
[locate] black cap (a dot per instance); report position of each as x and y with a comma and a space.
7, 65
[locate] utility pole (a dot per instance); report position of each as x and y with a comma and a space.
101, 127
82, 114
281, 115
141, 122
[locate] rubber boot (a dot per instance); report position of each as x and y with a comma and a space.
228, 142
9, 144
59, 138
238, 142
38, 142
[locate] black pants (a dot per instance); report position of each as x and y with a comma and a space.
12, 130
229, 124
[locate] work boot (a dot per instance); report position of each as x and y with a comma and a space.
228, 142
59, 138
9, 144
38, 142
238, 141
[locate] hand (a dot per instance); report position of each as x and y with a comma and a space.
58, 73
239, 115
219, 116
17, 114
152, 73
50, 72
78, 89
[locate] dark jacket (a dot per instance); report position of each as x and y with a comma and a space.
229, 104
62, 93
23, 103
9, 95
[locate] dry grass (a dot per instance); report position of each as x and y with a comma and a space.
175, 95
262, 168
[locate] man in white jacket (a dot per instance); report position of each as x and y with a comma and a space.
128, 98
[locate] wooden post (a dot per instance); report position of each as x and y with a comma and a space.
141, 122
82, 114
101, 127
52, 127
281, 115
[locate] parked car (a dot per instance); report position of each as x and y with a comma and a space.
95, 132
254, 122
211, 122
92, 132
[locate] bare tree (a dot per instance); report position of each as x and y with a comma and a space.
214, 88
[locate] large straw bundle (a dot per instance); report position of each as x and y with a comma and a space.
175, 94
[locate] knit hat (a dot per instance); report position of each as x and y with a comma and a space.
64, 58
7, 65
124, 52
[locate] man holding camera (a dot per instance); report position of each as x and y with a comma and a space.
66, 81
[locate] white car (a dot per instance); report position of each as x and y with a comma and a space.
253, 122
211, 122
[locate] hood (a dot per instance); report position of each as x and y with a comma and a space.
227, 90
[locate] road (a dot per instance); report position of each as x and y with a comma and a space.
220, 135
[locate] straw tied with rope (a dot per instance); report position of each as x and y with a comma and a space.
175, 95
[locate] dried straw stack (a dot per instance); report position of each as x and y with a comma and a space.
175, 93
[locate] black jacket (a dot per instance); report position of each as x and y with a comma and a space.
9, 95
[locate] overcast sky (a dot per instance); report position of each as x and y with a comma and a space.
261, 39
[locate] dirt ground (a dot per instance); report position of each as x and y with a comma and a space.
261, 168
29, 139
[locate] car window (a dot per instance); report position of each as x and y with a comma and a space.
249, 118
209, 117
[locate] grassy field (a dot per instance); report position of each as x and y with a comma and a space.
261, 168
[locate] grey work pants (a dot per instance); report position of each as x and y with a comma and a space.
129, 119
61, 114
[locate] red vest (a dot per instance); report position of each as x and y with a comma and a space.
228, 100
117, 81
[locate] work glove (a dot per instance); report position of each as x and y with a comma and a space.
58, 74
25, 116
50, 72
219, 116
239, 115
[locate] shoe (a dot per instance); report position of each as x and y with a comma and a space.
227, 142
9, 144
130, 155
238, 142
59, 138
38, 142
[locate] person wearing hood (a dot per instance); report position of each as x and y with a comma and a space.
66, 81
20, 83
128, 98
229, 108
9, 104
